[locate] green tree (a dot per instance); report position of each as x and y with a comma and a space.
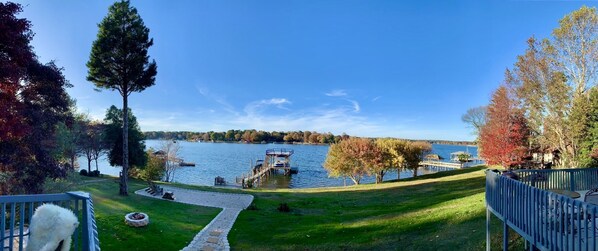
155, 167
415, 153
68, 139
574, 49
589, 144
91, 142
393, 156
119, 61
113, 138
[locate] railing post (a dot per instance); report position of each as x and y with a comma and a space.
488, 248
572, 179
505, 236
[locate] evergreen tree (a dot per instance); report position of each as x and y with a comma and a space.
113, 138
589, 144
119, 61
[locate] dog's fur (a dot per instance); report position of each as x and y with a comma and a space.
50, 225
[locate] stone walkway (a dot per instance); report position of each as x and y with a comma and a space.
214, 235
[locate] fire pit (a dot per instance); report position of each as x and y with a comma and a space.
136, 219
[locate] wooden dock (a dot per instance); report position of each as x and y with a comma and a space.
433, 163
275, 160
450, 165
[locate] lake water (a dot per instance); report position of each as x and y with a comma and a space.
230, 160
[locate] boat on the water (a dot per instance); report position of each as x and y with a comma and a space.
182, 163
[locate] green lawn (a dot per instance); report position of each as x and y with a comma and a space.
444, 211
172, 225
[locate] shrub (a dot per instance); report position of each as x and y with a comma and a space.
95, 173
62, 185
283, 207
154, 168
83, 172
135, 172
252, 207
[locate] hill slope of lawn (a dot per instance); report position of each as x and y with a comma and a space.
443, 211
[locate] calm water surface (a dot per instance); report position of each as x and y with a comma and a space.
231, 159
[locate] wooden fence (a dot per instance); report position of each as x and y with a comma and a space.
547, 221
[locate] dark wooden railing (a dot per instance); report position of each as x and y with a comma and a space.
547, 221
17, 211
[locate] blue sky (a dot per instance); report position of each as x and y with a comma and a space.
406, 69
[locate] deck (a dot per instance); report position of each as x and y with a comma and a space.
545, 219
17, 210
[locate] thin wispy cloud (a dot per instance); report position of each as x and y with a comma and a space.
276, 101
226, 106
336, 93
256, 106
335, 120
356, 107
376, 98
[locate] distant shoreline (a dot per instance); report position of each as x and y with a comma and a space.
439, 142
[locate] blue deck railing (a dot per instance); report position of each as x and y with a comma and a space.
17, 210
547, 221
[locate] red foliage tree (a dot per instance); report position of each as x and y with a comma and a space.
503, 139
32, 100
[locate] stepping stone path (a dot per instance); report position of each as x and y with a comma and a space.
213, 236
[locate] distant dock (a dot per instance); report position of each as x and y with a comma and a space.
450, 165
275, 160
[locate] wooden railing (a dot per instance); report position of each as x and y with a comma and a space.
16, 212
547, 221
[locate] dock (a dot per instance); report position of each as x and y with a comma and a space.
450, 165
433, 163
276, 160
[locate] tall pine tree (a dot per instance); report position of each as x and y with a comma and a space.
119, 61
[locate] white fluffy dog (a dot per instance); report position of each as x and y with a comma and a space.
50, 225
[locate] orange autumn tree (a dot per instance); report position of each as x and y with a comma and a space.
503, 139
355, 158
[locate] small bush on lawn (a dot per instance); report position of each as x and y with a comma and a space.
95, 173
252, 207
283, 207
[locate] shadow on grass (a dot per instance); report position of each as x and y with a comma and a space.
441, 212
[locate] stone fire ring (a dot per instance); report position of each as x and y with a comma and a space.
136, 223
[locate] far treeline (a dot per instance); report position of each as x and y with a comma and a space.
255, 136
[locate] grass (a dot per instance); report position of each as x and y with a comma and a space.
443, 211
172, 225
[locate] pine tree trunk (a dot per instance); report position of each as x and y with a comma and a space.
73, 162
125, 171
415, 172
